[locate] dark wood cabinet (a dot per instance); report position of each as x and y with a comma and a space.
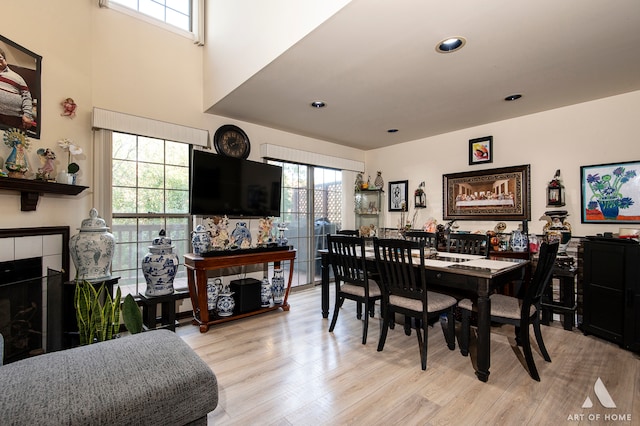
611, 290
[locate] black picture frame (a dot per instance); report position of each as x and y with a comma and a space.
27, 65
491, 194
610, 193
398, 195
481, 150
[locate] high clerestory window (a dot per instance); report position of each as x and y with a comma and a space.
185, 15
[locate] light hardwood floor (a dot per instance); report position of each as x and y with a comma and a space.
285, 368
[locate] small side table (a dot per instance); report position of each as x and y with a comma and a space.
167, 319
566, 305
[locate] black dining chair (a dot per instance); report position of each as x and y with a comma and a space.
430, 239
352, 281
405, 291
520, 313
468, 243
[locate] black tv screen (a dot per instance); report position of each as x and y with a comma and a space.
229, 186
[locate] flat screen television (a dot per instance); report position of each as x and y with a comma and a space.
229, 186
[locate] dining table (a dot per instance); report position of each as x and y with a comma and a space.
459, 275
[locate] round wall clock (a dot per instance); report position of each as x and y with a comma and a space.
231, 141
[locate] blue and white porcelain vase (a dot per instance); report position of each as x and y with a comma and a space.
265, 293
92, 249
214, 286
226, 304
159, 266
201, 240
277, 286
519, 242
241, 236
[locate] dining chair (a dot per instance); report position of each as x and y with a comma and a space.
520, 313
352, 281
430, 239
405, 291
468, 244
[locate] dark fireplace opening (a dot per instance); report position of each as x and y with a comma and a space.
21, 306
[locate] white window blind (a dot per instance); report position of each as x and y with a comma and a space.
276, 152
119, 122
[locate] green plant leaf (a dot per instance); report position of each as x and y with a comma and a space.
131, 314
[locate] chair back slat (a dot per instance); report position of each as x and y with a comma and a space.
468, 244
401, 273
347, 258
430, 239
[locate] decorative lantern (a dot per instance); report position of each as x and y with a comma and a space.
555, 191
420, 197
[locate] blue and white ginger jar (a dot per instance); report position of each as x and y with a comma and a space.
92, 249
159, 266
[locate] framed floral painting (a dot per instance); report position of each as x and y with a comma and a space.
611, 193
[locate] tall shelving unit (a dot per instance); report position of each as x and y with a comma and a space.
368, 208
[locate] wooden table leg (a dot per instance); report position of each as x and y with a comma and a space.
484, 337
325, 285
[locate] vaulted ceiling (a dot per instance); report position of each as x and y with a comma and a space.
375, 65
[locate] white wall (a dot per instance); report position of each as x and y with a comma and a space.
236, 42
602, 131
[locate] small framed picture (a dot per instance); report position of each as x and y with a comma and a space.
398, 195
481, 150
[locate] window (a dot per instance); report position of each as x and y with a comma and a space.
150, 192
177, 13
311, 205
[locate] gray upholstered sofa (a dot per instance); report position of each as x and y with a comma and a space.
152, 378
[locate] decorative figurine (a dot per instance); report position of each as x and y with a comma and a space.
69, 108
359, 182
16, 162
379, 182
46, 171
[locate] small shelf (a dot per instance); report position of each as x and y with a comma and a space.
30, 190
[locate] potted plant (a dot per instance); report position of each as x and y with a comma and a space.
98, 314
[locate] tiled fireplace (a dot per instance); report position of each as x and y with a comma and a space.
30, 302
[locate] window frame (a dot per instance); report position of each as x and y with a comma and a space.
194, 21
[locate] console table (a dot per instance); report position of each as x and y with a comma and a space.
198, 266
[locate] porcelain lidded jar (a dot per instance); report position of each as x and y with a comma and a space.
159, 266
92, 249
201, 240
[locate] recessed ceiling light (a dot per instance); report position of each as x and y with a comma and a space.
392, 130
513, 97
450, 44
318, 104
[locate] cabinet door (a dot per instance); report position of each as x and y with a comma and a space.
604, 287
631, 338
